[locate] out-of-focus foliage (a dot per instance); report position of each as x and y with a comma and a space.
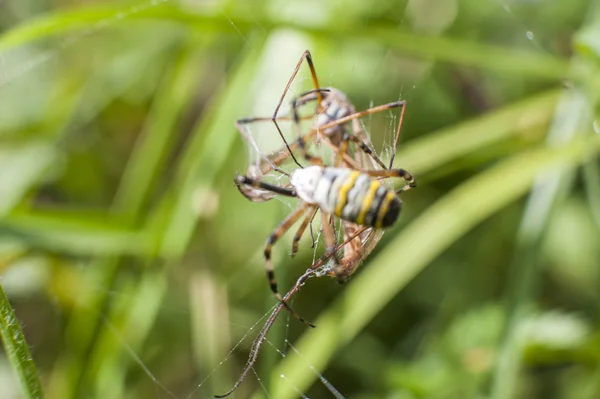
134, 266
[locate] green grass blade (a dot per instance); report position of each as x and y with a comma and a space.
451, 143
411, 251
462, 52
17, 350
574, 114
58, 232
156, 141
146, 296
32, 160
147, 158
210, 144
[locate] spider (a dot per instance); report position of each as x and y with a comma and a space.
353, 195
332, 114
359, 240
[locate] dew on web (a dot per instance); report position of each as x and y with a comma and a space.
530, 35
522, 24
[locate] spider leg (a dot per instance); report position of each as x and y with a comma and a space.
307, 219
239, 125
357, 115
248, 181
305, 56
275, 235
271, 161
331, 245
315, 160
262, 335
311, 95
312, 235
387, 173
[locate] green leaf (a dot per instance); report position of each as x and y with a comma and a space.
463, 52
17, 350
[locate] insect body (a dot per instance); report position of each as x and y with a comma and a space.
348, 194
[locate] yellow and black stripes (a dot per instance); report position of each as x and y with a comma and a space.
342, 194
356, 197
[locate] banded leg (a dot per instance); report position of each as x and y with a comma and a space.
248, 181
387, 173
307, 219
361, 144
275, 235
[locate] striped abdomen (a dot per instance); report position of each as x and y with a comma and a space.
357, 198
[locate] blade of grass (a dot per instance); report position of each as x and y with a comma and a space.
57, 233
463, 52
17, 350
410, 252
140, 173
174, 96
574, 114
124, 331
211, 142
459, 140
32, 160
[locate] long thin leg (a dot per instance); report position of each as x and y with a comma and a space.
394, 173
307, 219
397, 138
330, 243
275, 235
262, 335
363, 146
273, 160
239, 125
373, 110
305, 56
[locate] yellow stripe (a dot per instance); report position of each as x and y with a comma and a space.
343, 194
367, 201
383, 209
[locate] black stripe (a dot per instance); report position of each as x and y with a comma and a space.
333, 178
373, 212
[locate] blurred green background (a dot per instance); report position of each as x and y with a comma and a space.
134, 266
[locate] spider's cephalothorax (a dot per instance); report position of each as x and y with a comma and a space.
348, 194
